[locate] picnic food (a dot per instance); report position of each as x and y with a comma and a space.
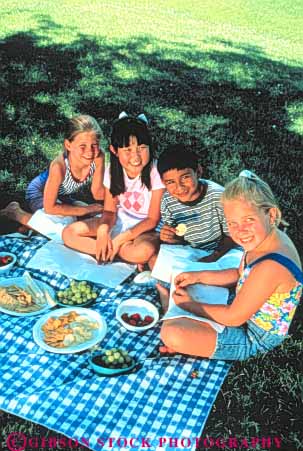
137, 320
181, 229
68, 330
77, 293
5, 260
20, 300
113, 358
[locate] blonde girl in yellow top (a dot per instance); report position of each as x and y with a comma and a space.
269, 283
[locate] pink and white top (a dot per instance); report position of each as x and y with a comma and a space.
136, 199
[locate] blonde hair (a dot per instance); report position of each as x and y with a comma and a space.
249, 187
80, 124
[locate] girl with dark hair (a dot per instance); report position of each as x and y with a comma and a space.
133, 191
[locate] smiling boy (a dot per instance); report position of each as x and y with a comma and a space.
192, 201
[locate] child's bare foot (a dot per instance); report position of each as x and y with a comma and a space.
164, 296
166, 350
14, 212
140, 267
11, 210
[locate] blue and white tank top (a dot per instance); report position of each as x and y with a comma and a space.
69, 184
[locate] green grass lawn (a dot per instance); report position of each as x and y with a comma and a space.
224, 77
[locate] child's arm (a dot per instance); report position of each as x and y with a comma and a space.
259, 285
104, 243
50, 196
97, 188
145, 225
221, 278
168, 232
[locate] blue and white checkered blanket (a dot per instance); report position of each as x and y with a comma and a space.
155, 408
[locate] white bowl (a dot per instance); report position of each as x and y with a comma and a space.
145, 278
140, 306
7, 267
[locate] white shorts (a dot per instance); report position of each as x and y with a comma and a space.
124, 222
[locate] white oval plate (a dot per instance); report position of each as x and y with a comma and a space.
98, 334
21, 282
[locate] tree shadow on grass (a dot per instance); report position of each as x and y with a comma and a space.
231, 106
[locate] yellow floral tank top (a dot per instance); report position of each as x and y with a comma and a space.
276, 313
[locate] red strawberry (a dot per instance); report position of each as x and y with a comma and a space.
148, 319
136, 316
125, 317
132, 322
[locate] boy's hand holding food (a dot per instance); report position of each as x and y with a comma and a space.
168, 235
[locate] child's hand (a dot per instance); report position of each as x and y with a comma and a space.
168, 235
94, 208
182, 299
104, 244
187, 278
115, 248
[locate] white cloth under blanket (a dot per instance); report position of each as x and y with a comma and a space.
50, 226
171, 257
75, 265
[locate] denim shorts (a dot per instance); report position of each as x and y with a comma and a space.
240, 343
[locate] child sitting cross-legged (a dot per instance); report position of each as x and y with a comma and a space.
269, 283
133, 191
192, 201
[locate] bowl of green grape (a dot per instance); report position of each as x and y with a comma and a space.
78, 293
111, 362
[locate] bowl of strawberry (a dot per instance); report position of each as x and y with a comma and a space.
7, 261
137, 315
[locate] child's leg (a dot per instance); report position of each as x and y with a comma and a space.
187, 336
164, 296
141, 249
14, 212
81, 235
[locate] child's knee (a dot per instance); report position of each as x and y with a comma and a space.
148, 249
171, 335
138, 252
70, 232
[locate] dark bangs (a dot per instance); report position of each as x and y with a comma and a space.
129, 126
121, 132
177, 157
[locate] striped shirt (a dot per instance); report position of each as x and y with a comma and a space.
204, 218
69, 184
35, 189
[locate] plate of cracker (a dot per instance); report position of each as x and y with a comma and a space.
69, 330
18, 298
